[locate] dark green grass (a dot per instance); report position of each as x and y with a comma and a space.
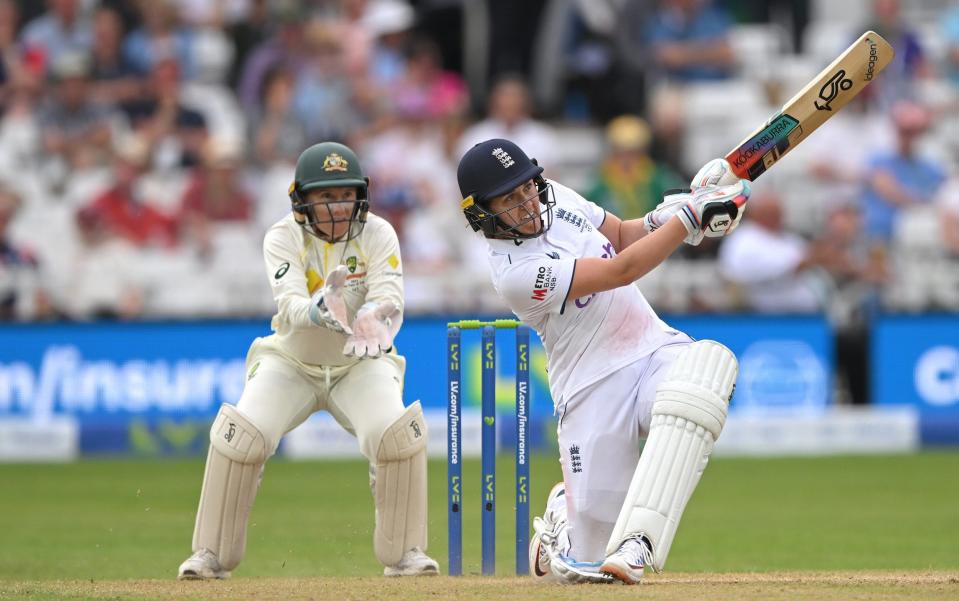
133, 520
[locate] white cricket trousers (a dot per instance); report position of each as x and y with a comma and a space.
601, 430
281, 393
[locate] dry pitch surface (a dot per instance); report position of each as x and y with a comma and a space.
715, 587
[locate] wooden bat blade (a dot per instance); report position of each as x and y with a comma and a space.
822, 97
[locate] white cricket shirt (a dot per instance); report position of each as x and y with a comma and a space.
585, 338
297, 265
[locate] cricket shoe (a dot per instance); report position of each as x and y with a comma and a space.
567, 570
549, 532
202, 565
414, 563
626, 563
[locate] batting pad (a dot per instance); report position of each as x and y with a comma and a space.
400, 487
688, 414
234, 464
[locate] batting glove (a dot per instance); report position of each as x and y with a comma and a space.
713, 211
716, 172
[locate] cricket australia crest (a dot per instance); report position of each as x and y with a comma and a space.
334, 162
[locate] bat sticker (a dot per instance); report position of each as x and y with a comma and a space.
837, 82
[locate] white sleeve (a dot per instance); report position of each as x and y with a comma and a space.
384, 276
287, 275
536, 287
595, 213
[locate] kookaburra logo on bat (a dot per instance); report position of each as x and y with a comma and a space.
830, 89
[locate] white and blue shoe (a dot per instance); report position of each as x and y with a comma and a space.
548, 531
548, 548
569, 571
626, 564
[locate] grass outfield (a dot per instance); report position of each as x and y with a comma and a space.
876, 526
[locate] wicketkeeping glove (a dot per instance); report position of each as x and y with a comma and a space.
328, 308
373, 331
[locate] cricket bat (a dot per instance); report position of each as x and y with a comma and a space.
822, 97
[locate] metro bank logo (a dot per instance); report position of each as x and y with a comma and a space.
544, 283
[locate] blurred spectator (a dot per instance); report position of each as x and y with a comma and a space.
115, 78
62, 28
246, 34
424, 81
948, 204
284, 48
279, 135
780, 272
164, 122
512, 34
104, 280
844, 253
603, 58
75, 127
667, 118
629, 183
390, 23
860, 133
791, 15
410, 167
509, 117
215, 194
21, 293
323, 98
771, 265
213, 13
950, 30
20, 139
855, 274
899, 178
160, 38
123, 212
9, 48
351, 26
412, 181
688, 41
898, 78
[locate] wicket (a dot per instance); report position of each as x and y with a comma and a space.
488, 452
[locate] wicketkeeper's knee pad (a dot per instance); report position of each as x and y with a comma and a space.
234, 464
687, 417
400, 487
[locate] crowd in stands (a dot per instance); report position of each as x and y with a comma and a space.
146, 145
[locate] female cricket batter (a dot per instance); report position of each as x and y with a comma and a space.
617, 373
337, 280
